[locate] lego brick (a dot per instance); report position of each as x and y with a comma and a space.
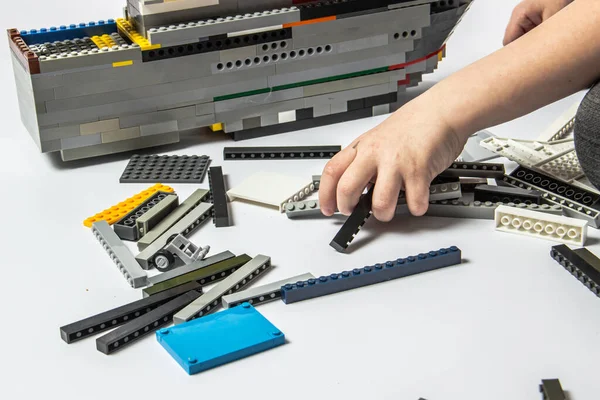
592, 260
229, 336
528, 153
225, 255
174, 114
121, 134
120, 254
73, 31
561, 127
540, 225
378, 273
119, 147
474, 152
565, 167
118, 316
457, 209
123, 55
147, 221
474, 170
159, 128
507, 194
233, 283
261, 294
197, 197
185, 226
118, 211
551, 389
442, 191
573, 262
272, 189
208, 274
354, 223
126, 227
168, 169
218, 196
307, 208
261, 99
316, 181
289, 152
22, 53
99, 126
80, 141
134, 330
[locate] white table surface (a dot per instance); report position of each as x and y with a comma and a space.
491, 328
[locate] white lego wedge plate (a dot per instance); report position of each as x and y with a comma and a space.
528, 153
474, 152
541, 225
562, 126
272, 189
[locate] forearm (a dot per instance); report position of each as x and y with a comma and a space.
555, 60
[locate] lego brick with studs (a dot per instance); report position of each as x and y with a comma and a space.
168, 169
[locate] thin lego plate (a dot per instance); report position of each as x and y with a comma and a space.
220, 338
168, 169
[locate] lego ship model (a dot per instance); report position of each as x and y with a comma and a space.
247, 67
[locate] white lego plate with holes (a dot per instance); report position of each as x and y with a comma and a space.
528, 153
272, 189
562, 126
541, 225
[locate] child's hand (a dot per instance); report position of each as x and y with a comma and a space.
406, 151
529, 14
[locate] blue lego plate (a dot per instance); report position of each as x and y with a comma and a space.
220, 338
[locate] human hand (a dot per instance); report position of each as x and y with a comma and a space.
406, 151
529, 14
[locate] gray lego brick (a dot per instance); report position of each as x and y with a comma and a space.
307, 208
258, 100
118, 147
182, 210
159, 128
157, 213
185, 226
346, 95
121, 134
165, 276
233, 283
90, 59
165, 169
126, 228
120, 254
261, 294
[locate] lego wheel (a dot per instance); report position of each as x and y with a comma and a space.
164, 261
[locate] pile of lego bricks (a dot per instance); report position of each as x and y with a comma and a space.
247, 67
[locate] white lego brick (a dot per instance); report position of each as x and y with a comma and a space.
541, 225
528, 153
561, 127
272, 189
474, 152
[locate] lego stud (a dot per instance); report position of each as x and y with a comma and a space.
276, 333
192, 360
246, 305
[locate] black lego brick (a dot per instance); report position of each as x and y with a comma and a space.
165, 169
474, 170
113, 318
354, 223
328, 8
216, 43
551, 389
552, 185
218, 196
505, 194
581, 269
145, 324
280, 153
126, 227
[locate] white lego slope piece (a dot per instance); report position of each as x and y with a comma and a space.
528, 153
562, 126
541, 225
272, 189
474, 152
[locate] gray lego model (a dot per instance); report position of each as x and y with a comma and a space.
120, 254
247, 67
165, 169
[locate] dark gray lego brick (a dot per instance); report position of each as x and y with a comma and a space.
165, 169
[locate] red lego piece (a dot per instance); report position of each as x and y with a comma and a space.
27, 57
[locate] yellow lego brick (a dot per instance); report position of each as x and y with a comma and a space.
216, 127
118, 211
122, 63
440, 56
103, 41
126, 28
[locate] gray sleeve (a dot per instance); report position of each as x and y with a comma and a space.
587, 134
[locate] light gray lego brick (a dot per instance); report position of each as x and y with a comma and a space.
90, 59
271, 291
341, 69
237, 54
462, 209
121, 134
258, 99
307, 208
417, 67
256, 111
118, 147
120, 254
274, 47
346, 95
381, 109
364, 43
154, 215
80, 141
184, 226
199, 121
233, 126
251, 123
186, 33
362, 12
353, 83
205, 108
158, 128
27, 109
129, 121
262, 63
165, 276
269, 119
234, 282
321, 110
46, 81
48, 146
339, 107
106, 125
166, 223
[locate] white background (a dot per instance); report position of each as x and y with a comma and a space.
491, 328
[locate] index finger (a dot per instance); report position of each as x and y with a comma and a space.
332, 173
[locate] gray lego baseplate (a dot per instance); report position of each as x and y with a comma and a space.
168, 169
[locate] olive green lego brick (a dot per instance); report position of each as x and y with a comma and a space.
194, 266
191, 202
99, 126
152, 217
118, 147
121, 134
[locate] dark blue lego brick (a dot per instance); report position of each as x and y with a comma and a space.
377, 273
220, 338
73, 31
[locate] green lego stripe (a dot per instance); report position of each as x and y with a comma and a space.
301, 84
220, 270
